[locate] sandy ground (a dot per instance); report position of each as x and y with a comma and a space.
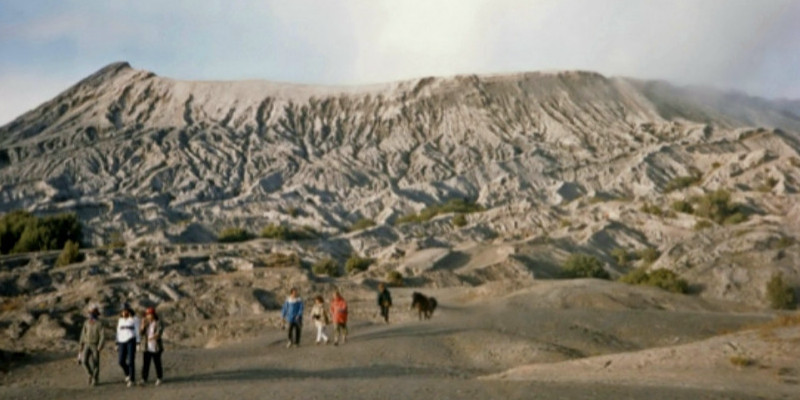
541, 342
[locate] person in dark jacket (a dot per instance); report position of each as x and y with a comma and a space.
384, 301
292, 314
152, 329
91, 343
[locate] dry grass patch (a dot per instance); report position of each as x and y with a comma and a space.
741, 361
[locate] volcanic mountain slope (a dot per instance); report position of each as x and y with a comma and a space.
561, 162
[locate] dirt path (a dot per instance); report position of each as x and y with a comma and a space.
438, 359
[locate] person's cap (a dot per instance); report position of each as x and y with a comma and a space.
150, 311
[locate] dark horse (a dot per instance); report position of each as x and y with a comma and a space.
424, 305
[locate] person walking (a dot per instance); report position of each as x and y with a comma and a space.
292, 313
339, 313
321, 319
152, 329
127, 339
91, 344
384, 301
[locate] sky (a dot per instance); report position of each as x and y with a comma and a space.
745, 45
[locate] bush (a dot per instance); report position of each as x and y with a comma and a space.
232, 235
39, 234
281, 260
622, 256
11, 227
780, 295
326, 266
280, 232
357, 264
735, 218
116, 241
362, 224
293, 212
584, 266
69, 254
702, 224
717, 207
453, 206
741, 361
649, 254
681, 182
652, 209
768, 185
682, 206
660, 278
459, 220
394, 278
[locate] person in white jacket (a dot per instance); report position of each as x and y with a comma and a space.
127, 338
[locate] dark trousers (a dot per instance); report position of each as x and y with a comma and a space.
127, 358
385, 313
294, 332
156, 357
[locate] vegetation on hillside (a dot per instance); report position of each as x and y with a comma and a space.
584, 266
452, 206
21, 231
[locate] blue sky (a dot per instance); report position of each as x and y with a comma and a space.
747, 45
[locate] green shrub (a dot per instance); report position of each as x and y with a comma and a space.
452, 206
293, 212
682, 206
638, 276
717, 207
356, 264
702, 224
232, 235
116, 241
280, 260
622, 256
783, 242
781, 296
326, 266
649, 254
48, 233
459, 220
741, 361
660, 278
394, 278
11, 227
768, 185
735, 218
652, 209
280, 232
584, 266
681, 182
69, 254
362, 224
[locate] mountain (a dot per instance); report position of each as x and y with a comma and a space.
561, 162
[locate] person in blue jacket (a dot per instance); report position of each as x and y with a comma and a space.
292, 314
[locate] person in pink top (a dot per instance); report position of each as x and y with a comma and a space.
339, 314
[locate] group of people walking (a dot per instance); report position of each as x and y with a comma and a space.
292, 315
145, 334
130, 332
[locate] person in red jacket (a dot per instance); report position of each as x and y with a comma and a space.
339, 314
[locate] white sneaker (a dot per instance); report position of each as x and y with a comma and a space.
130, 383
158, 382
288, 345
